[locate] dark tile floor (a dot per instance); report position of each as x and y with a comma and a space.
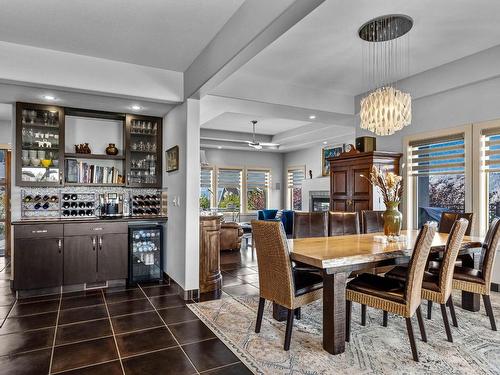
126, 330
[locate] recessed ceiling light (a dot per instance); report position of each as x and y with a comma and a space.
325, 142
312, 117
49, 97
136, 107
219, 147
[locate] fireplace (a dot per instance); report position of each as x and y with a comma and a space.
319, 201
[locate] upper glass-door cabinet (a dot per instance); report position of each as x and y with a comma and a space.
39, 145
144, 151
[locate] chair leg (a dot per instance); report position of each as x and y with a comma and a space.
260, 312
363, 315
429, 309
289, 326
446, 322
384, 320
411, 336
298, 313
489, 311
348, 311
421, 325
452, 311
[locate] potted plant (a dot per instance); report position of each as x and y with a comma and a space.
391, 187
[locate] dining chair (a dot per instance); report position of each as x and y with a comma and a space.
437, 287
279, 282
479, 280
342, 223
310, 224
394, 296
448, 219
372, 221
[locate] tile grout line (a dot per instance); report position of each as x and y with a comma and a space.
55, 335
84, 367
113, 331
168, 328
221, 367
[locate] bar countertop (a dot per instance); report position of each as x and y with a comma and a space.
131, 219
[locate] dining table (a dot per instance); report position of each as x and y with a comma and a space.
338, 257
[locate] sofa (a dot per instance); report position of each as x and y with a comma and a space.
286, 218
231, 234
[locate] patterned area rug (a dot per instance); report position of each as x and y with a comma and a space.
373, 349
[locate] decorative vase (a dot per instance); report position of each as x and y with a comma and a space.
111, 149
393, 219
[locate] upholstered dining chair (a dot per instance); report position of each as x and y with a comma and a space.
342, 223
394, 296
310, 224
448, 219
372, 221
479, 280
437, 287
279, 282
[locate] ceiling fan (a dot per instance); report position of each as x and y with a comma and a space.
256, 144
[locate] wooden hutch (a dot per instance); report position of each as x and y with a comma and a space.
349, 190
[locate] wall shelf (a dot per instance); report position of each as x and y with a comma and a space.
90, 184
94, 156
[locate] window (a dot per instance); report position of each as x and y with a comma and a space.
206, 188
490, 170
294, 188
229, 189
257, 184
437, 167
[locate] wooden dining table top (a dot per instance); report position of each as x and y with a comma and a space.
343, 251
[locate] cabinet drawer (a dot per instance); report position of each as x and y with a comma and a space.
38, 231
83, 229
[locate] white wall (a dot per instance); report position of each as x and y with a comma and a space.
182, 128
5, 132
252, 159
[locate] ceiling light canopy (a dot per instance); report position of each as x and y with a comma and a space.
386, 109
49, 97
136, 107
312, 117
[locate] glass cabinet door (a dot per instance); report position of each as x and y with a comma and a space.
144, 147
146, 253
40, 145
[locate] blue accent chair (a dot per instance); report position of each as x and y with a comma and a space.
286, 218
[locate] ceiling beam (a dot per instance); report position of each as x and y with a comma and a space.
255, 25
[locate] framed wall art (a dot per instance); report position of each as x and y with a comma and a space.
172, 158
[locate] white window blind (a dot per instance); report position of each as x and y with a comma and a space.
229, 178
438, 156
490, 150
295, 178
257, 179
206, 178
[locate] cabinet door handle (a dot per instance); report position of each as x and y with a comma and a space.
59, 245
39, 231
100, 242
93, 243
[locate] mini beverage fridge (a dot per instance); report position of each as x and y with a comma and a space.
146, 253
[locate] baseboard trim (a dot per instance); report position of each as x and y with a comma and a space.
495, 287
186, 295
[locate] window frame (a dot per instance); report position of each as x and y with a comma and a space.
213, 197
268, 188
242, 183
410, 199
289, 194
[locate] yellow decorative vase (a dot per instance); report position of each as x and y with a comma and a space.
393, 219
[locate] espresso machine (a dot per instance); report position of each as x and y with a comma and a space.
111, 205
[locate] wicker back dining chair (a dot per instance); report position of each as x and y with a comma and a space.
279, 282
437, 286
372, 221
310, 224
342, 223
479, 280
392, 295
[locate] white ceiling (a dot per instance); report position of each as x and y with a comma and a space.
166, 34
324, 51
239, 122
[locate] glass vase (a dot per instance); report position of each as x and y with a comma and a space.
393, 219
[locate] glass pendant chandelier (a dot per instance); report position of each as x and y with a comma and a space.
385, 109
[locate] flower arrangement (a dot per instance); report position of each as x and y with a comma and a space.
389, 184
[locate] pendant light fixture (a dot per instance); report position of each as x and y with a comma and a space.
385, 109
